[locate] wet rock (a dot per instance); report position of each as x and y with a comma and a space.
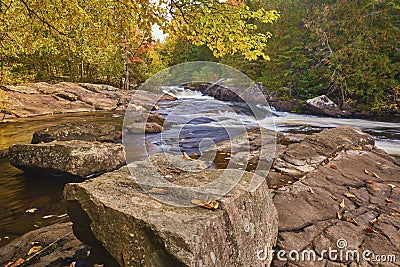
143, 122
74, 158
355, 197
62, 247
76, 131
158, 234
322, 105
282, 105
142, 127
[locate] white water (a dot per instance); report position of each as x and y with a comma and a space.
226, 114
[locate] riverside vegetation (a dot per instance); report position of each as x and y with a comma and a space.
347, 50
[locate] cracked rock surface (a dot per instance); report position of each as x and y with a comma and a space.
349, 192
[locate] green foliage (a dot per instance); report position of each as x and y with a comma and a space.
3, 103
105, 41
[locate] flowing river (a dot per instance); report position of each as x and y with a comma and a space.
196, 122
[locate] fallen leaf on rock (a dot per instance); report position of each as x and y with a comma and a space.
351, 220
303, 177
311, 190
342, 205
358, 147
34, 250
31, 210
366, 172
174, 171
389, 201
392, 186
186, 156
334, 198
373, 221
333, 167
14, 264
273, 187
348, 195
339, 215
211, 205
370, 230
158, 191
376, 175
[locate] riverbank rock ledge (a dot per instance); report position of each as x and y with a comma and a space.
43, 98
114, 213
76, 158
77, 131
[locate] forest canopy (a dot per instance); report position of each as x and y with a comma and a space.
346, 49
97, 40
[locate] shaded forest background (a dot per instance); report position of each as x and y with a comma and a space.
346, 49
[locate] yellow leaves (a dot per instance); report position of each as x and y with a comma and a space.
373, 221
31, 210
186, 156
15, 264
342, 205
348, 195
353, 221
370, 230
310, 190
376, 175
34, 250
211, 205
391, 186
339, 215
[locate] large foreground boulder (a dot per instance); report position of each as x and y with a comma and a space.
113, 212
77, 131
74, 158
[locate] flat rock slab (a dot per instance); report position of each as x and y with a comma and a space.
59, 247
137, 230
354, 197
301, 158
75, 158
76, 131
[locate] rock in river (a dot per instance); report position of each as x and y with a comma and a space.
113, 212
76, 158
76, 131
322, 105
